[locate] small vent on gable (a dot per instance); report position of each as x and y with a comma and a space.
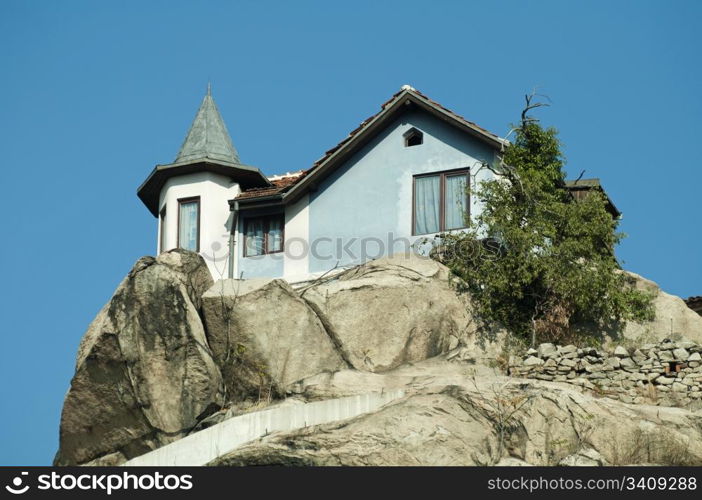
413, 137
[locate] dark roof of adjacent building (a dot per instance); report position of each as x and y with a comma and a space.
581, 187
695, 303
361, 135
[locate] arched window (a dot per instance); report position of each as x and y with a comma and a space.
413, 137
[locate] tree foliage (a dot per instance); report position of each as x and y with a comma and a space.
535, 260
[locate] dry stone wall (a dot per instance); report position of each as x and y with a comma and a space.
667, 373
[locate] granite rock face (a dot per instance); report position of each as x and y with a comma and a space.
392, 311
458, 413
264, 337
172, 352
144, 371
673, 318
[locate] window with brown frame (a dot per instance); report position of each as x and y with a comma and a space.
162, 238
189, 223
263, 235
440, 201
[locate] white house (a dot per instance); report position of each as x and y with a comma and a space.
399, 177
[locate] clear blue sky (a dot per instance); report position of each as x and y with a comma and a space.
94, 94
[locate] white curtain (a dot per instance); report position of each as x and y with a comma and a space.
187, 235
456, 203
426, 205
254, 237
275, 235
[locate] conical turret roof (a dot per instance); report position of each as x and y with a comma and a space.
208, 137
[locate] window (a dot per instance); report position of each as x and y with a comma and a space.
413, 137
189, 223
162, 238
440, 202
263, 235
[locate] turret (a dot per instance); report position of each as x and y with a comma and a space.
189, 197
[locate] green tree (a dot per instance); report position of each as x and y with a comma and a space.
535, 260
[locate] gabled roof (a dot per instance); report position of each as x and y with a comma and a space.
208, 137
366, 131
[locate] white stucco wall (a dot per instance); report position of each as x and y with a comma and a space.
204, 446
214, 191
297, 234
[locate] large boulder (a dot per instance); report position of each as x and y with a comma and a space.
144, 372
391, 311
265, 337
674, 319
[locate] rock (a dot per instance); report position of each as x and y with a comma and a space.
673, 317
665, 356
686, 344
662, 380
628, 363
681, 354
695, 356
584, 458
587, 351
392, 311
613, 362
567, 349
593, 368
264, 337
512, 462
638, 356
450, 416
144, 371
679, 387
621, 352
567, 362
547, 350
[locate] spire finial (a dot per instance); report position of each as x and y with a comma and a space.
209, 88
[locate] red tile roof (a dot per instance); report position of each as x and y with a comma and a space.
280, 185
289, 182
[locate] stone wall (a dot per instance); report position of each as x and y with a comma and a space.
667, 373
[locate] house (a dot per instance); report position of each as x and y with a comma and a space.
398, 178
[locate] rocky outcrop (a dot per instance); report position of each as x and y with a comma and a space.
264, 337
391, 311
462, 414
673, 318
150, 371
144, 371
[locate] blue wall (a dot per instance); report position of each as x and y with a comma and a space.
370, 196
